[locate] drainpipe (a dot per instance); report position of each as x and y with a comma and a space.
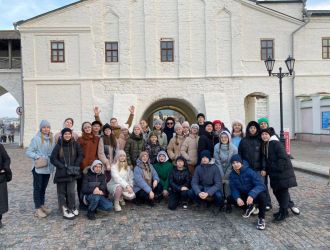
294, 75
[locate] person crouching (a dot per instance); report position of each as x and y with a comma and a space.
94, 189
146, 181
179, 184
206, 183
247, 188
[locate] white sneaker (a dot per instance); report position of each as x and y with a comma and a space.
67, 214
75, 212
256, 211
117, 206
295, 210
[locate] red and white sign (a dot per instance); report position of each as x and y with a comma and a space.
287, 141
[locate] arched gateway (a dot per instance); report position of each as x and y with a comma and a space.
178, 108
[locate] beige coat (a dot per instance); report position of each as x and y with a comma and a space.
105, 159
189, 149
174, 147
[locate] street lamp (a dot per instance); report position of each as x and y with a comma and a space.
290, 65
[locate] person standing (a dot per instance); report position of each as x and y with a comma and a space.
134, 146
174, 146
145, 130
169, 127
189, 148
107, 147
237, 133
281, 174
39, 150
5, 176
157, 129
201, 123
206, 140
68, 123
67, 154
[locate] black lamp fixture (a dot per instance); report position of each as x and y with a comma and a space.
270, 66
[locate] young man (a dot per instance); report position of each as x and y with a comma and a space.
206, 182
247, 188
200, 122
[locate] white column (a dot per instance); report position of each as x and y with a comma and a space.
316, 100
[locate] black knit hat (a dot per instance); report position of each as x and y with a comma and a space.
105, 126
236, 157
208, 123
206, 153
269, 131
66, 130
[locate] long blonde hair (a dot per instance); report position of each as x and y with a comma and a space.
51, 138
121, 165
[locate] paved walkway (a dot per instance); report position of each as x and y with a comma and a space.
158, 228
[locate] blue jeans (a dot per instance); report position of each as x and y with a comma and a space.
218, 198
98, 201
40, 182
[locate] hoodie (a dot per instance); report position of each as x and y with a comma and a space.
163, 170
91, 180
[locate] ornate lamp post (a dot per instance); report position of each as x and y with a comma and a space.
290, 65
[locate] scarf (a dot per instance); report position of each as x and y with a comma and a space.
147, 175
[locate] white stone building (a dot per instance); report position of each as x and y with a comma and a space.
186, 55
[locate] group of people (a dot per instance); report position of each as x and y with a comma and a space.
201, 163
7, 133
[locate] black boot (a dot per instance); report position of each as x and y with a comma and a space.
228, 208
91, 215
277, 214
282, 215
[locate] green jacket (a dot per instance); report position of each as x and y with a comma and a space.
163, 170
134, 146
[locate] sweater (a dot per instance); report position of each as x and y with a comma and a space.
163, 170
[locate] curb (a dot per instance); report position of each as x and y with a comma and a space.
311, 168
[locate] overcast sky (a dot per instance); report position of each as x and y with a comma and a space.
15, 10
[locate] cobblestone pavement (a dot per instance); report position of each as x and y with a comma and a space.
158, 228
316, 153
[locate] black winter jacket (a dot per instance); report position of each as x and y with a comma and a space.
72, 156
278, 165
92, 180
5, 176
179, 179
206, 142
250, 147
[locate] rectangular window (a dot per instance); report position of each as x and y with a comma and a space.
57, 52
167, 51
326, 48
111, 51
267, 49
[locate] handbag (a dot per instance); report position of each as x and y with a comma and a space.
73, 170
41, 162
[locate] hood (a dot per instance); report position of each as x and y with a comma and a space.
162, 153
274, 138
94, 164
228, 135
250, 124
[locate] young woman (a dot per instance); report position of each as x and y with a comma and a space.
169, 128
237, 132
89, 143
67, 153
223, 152
189, 148
162, 138
174, 147
120, 186
68, 123
146, 181
279, 167
186, 129
134, 146
5, 176
123, 137
39, 151
107, 147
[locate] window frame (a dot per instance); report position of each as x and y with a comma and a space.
111, 50
273, 48
166, 49
327, 46
57, 50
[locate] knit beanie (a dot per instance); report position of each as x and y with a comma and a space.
263, 119
194, 125
200, 114
225, 132
137, 126
185, 124
158, 122
236, 157
206, 153
269, 131
66, 130
237, 121
44, 123
177, 125
105, 126
217, 122
142, 154
207, 123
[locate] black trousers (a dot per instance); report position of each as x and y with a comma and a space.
175, 198
40, 182
283, 198
261, 200
66, 194
142, 195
